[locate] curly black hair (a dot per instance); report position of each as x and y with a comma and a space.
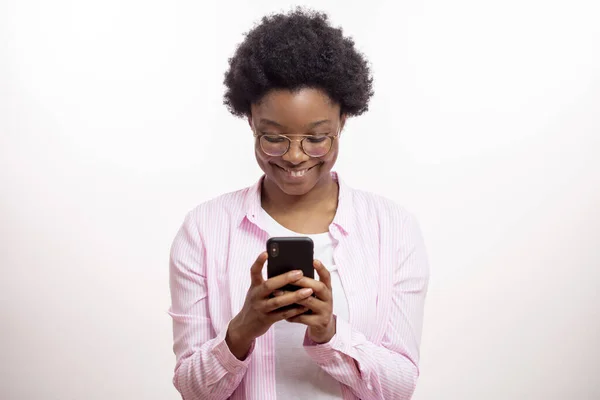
293, 51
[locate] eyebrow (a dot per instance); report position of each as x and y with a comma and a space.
310, 126
317, 123
270, 122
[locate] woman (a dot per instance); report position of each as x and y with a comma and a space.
296, 79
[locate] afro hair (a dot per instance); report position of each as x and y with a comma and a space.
294, 51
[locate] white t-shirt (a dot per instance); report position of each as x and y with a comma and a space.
297, 376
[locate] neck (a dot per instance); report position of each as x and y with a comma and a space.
320, 197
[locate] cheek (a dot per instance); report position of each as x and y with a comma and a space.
258, 153
261, 157
331, 157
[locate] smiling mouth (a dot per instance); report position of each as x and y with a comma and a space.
295, 173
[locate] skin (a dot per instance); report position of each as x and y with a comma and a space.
306, 205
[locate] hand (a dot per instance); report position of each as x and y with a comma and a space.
260, 311
321, 323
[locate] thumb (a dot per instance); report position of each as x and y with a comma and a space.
256, 269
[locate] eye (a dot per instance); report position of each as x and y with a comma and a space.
316, 139
273, 138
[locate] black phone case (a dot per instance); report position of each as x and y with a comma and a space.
293, 253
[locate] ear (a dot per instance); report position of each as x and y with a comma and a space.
342, 122
250, 122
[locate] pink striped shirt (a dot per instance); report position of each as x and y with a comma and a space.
383, 267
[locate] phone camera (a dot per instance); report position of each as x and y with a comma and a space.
274, 249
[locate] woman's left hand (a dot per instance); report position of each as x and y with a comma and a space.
321, 323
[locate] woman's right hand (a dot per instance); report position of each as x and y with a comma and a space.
260, 311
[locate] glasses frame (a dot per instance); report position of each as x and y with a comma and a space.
289, 141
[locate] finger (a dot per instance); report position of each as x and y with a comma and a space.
256, 269
286, 314
286, 299
324, 275
316, 305
314, 321
279, 281
319, 288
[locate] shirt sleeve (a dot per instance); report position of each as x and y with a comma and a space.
205, 367
388, 370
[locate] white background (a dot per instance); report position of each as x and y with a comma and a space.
485, 124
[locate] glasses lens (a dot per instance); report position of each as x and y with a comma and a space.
317, 146
274, 145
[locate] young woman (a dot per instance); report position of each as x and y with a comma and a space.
297, 79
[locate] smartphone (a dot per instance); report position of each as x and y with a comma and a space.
289, 254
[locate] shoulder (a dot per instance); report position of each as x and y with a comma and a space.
219, 211
380, 207
224, 202
395, 225
389, 220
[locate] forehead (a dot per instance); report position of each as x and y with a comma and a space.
295, 108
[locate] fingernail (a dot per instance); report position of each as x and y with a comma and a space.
277, 293
306, 292
296, 274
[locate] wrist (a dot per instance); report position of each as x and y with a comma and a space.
239, 343
326, 336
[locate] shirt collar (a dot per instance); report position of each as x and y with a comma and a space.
343, 218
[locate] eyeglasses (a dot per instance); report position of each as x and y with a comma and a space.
313, 146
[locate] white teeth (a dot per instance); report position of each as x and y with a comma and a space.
297, 174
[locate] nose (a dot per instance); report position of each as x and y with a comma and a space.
295, 155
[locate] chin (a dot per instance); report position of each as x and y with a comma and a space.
294, 190
296, 186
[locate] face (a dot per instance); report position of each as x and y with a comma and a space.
303, 112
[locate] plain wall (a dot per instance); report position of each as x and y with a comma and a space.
485, 124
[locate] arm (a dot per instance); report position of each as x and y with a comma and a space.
390, 370
205, 368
